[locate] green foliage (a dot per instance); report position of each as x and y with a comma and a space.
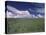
25, 25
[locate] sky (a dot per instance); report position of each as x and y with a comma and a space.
33, 8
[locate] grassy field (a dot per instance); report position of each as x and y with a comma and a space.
25, 25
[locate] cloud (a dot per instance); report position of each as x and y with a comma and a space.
40, 10
18, 12
23, 14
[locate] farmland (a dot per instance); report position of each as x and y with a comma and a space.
21, 25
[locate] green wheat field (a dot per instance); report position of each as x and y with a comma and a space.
21, 25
